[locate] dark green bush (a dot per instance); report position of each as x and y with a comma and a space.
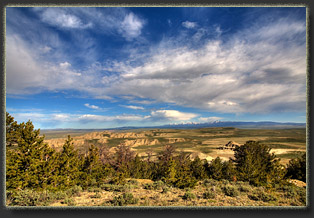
133, 182
208, 195
158, 184
259, 195
97, 195
124, 199
68, 201
148, 186
230, 191
210, 182
75, 190
29, 197
268, 197
155, 186
165, 189
93, 189
244, 188
188, 196
119, 179
113, 187
302, 195
296, 168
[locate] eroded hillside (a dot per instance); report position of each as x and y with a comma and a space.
207, 143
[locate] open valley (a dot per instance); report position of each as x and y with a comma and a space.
207, 143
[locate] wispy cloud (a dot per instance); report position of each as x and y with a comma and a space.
237, 76
35, 75
91, 106
60, 120
61, 18
209, 119
131, 26
133, 107
108, 20
189, 24
260, 69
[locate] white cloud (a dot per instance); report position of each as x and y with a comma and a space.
22, 70
236, 76
91, 106
134, 107
172, 115
131, 26
87, 118
109, 21
46, 49
65, 64
189, 25
61, 18
28, 73
58, 120
129, 117
143, 102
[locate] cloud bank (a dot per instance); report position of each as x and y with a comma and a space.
63, 120
241, 75
259, 69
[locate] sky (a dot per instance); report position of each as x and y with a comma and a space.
106, 67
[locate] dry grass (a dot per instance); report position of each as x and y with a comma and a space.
176, 197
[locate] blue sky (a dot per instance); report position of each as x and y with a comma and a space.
95, 67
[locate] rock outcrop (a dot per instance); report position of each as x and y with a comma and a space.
127, 135
231, 145
138, 142
175, 140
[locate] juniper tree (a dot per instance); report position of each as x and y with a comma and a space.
12, 130
255, 164
29, 165
169, 171
93, 169
228, 171
165, 165
296, 168
198, 169
136, 168
69, 163
184, 176
215, 168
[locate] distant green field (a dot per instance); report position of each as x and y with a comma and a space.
291, 154
53, 134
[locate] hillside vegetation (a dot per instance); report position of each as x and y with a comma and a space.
115, 175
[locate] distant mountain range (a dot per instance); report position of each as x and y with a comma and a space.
236, 124
193, 125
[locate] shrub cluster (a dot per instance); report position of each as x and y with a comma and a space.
230, 191
124, 199
260, 195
